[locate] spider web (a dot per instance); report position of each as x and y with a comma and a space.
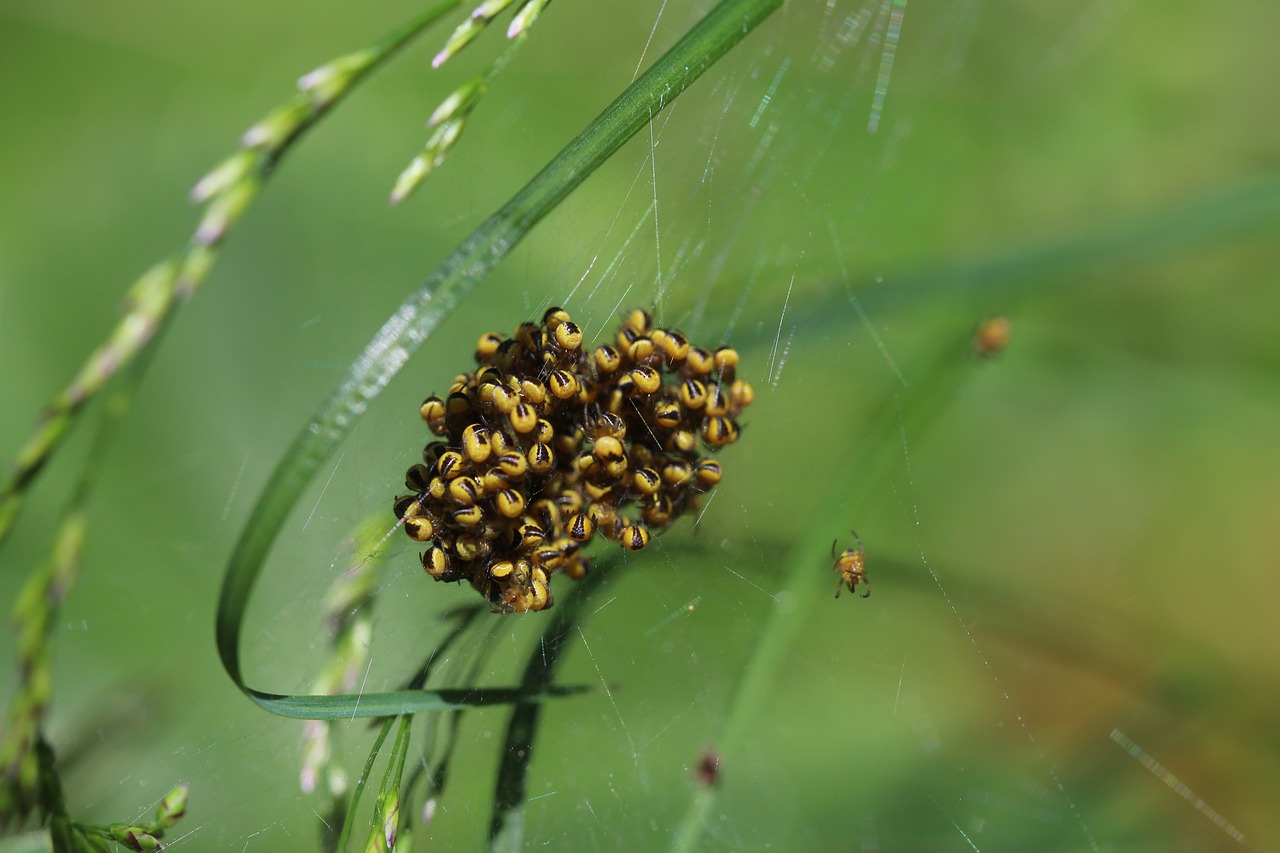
1025, 674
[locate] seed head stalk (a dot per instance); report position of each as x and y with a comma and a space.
227, 192
449, 119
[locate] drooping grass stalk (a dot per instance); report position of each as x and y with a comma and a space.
449, 118
480, 18
29, 778
418, 316
853, 485
25, 779
34, 616
28, 769
143, 837
227, 192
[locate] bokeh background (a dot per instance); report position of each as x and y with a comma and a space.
1072, 643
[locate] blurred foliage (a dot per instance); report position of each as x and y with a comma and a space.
1081, 545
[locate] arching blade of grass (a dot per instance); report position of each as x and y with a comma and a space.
854, 484
406, 330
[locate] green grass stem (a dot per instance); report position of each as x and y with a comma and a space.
361, 783
506, 827
912, 412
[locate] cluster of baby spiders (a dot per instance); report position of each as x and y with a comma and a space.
547, 444
851, 563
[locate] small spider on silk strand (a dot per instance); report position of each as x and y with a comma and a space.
851, 563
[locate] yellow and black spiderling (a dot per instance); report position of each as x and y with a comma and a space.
550, 442
851, 564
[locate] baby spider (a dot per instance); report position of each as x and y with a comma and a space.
851, 563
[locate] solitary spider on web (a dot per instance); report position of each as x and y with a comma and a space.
851, 563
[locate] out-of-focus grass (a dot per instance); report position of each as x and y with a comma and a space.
1096, 504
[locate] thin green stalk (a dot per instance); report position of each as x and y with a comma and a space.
867, 469
506, 826
347, 610
230, 189
356, 792
386, 809
437, 773
449, 119
318, 733
23, 777
418, 316
27, 762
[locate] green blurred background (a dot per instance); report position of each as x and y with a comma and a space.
1077, 550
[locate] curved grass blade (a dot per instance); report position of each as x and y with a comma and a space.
406, 330
506, 828
913, 411
230, 190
